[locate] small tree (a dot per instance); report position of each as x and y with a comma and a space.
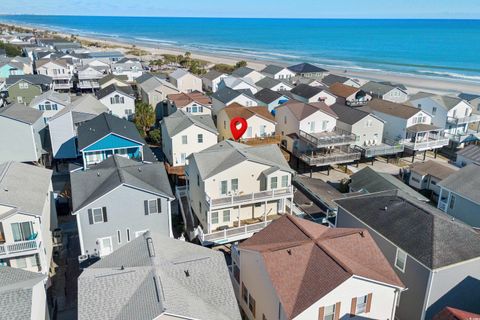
240, 64
144, 117
155, 136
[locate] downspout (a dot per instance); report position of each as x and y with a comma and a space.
427, 298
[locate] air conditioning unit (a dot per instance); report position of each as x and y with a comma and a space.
82, 258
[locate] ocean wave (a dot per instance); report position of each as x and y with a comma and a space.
449, 75
155, 40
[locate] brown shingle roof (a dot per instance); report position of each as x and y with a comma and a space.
237, 110
302, 110
342, 90
432, 168
305, 260
182, 99
392, 108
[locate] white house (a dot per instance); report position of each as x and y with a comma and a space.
277, 72
60, 70
333, 78
195, 103
301, 270
386, 91
353, 96
234, 190
274, 84
212, 79
88, 77
26, 223
132, 68
235, 83
427, 175
120, 101
184, 81
309, 94
226, 96
50, 102
184, 133
248, 73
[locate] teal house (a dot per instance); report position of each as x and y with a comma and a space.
107, 135
10, 69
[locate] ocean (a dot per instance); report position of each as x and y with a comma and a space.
443, 48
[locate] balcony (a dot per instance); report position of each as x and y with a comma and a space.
356, 103
233, 234
324, 139
88, 84
7, 249
380, 150
240, 199
319, 158
462, 136
62, 85
66, 76
427, 144
270, 139
464, 120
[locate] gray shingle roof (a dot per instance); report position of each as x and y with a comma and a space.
16, 292
13, 187
115, 88
227, 153
242, 72
267, 96
89, 185
424, 232
348, 115
471, 152
60, 98
468, 96
84, 108
465, 182
21, 113
37, 79
333, 78
306, 91
180, 120
111, 76
212, 75
370, 181
154, 281
226, 94
272, 69
306, 68
377, 88
268, 82
104, 124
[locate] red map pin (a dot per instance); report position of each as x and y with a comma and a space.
237, 133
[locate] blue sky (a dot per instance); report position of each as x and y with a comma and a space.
251, 8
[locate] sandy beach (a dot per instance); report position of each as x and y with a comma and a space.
414, 83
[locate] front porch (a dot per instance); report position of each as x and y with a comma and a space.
422, 137
383, 149
326, 157
324, 139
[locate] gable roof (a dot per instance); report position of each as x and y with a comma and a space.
342, 90
349, 115
180, 120
127, 90
269, 83
213, 74
394, 109
242, 72
445, 102
450, 313
89, 185
154, 275
306, 91
60, 98
86, 105
424, 232
333, 78
465, 182
297, 253
378, 88
104, 124
225, 154
302, 68
371, 181
268, 96
13, 187
21, 113
468, 96
226, 94
432, 168
36, 79
180, 73
111, 76
301, 110
183, 99
237, 110
272, 69
471, 152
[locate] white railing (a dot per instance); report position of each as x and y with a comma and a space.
463, 120
381, 150
460, 136
232, 234
251, 197
426, 145
336, 137
318, 158
21, 246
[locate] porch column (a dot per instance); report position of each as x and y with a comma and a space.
238, 216
84, 156
424, 155
291, 205
209, 221
264, 211
435, 153
413, 156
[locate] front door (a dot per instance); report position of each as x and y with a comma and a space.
105, 246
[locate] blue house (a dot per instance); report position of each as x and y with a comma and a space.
9, 69
106, 135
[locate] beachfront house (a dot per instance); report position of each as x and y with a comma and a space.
451, 113
23, 135
185, 81
278, 72
26, 222
107, 57
226, 96
24, 88
105, 220
63, 126
276, 273
333, 78
196, 103
107, 135
50, 103
154, 91
353, 96
308, 70
60, 70
459, 196
270, 99
310, 133
235, 83
260, 124
309, 94
274, 84
436, 257
164, 279
212, 79
185, 133
248, 73
426, 176
130, 67
407, 125
386, 91
120, 101
467, 155
88, 77
234, 190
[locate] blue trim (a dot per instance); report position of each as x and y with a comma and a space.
112, 141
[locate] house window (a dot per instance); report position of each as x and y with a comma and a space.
183, 156
22, 231
251, 305
116, 99
273, 183
200, 138
128, 112
361, 304
284, 181
189, 110
128, 235
200, 206
194, 109
198, 180
153, 206
285, 119
400, 260
97, 214
224, 124
184, 140
234, 184
34, 260
223, 187
452, 201
214, 217
434, 111
226, 215
48, 106
119, 236
23, 85
41, 107
244, 293
21, 263
329, 312
20, 99
369, 123
200, 109
324, 124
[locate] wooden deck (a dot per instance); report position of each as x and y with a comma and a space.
179, 170
261, 140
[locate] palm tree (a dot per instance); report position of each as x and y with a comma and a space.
144, 117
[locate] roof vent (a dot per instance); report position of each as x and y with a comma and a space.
122, 268
5, 189
139, 169
289, 251
386, 208
187, 273
98, 174
453, 219
361, 234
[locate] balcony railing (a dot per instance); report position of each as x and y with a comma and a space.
427, 145
21, 246
460, 137
380, 150
463, 120
249, 198
325, 139
322, 159
268, 139
356, 103
232, 234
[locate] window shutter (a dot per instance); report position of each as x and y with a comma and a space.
145, 205
90, 216
159, 205
369, 303
104, 209
321, 313
337, 311
353, 307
